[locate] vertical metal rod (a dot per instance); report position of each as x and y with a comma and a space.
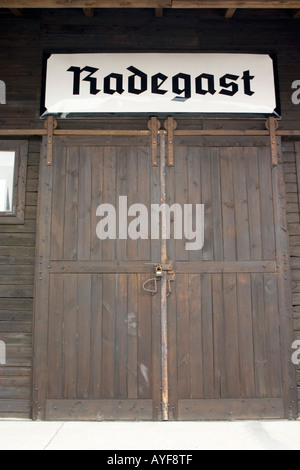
50, 131
164, 282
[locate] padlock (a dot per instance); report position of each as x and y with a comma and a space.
158, 271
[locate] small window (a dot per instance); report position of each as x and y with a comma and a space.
13, 168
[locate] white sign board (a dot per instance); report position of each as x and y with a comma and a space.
160, 83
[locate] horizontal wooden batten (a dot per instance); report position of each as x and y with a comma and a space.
132, 267
230, 409
85, 4
181, 133
219, 267
99, 267
99, 410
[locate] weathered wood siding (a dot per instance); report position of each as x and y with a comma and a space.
17, 251
291, 154
22, 42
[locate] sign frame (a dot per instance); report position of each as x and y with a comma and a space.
204, 114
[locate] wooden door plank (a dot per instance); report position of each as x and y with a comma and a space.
58, 204
228, 205
132, 192
216, 204
55, 351
69, 338
219, 336
233, 385
208, 337
208, 249
109, 196
132, 332
71, 205
247, 368
183, 339
241, 205
84, 204
266, 204
253, 196
143, 190
259, 335
96, 336
273, 337
195, 196
97, 199
109, 340
121, 337
122, 177
197, 336
145, 342
84, 336
182, 192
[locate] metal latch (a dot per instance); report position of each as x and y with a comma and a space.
159, 270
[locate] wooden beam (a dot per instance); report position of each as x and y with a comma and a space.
89, 12
226, 4
230, 12
297, 13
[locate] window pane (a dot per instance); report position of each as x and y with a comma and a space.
7, 167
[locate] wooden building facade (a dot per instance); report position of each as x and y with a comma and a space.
215, 338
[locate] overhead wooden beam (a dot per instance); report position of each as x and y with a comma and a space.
230, 12
297, 13
88, 4
89, 12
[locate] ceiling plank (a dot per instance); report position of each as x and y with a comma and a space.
226, 4
230, 12
89, 12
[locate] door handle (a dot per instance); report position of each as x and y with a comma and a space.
152, 290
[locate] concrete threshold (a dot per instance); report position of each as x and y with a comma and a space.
173, 436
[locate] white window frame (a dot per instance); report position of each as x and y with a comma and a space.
17, 215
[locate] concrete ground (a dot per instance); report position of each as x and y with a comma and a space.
242, 435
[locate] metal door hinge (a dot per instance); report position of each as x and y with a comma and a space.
50, 125
170, 126
154, 126
272, 126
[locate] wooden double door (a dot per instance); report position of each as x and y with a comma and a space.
206, 338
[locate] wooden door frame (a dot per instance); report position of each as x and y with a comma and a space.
41, 294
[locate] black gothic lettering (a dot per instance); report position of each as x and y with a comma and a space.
118, 84
226, 85
187, 85
132, 88
93, 81
247, 83
210, 84
157, 81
